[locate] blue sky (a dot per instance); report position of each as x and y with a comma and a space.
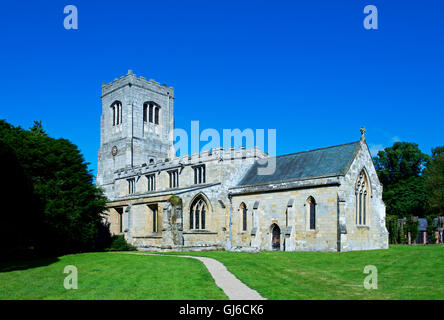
308, 69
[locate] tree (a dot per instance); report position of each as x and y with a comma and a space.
399, 162
407, 197
68, 204
400, 169
434, 181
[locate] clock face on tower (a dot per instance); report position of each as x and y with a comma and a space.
114, 150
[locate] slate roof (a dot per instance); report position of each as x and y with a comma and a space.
328, 161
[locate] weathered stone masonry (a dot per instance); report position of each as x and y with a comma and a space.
328, 199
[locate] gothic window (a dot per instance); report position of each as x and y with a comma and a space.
145, 112
199, 174
311, 204
131, 185
116, 109
156, 115
243, 208
151, 182
151, 112
362, 192
174, 178
198, 211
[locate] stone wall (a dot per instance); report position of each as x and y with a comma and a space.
374, 234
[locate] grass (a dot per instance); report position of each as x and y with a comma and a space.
404, 272
110, 276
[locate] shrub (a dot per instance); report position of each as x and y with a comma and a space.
119, 244
175, 201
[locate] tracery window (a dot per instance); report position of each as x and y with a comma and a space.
198, 211
362, 193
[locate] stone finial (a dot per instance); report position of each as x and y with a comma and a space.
130, 71
362, 133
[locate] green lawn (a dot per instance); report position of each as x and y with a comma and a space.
110, 276
404, 272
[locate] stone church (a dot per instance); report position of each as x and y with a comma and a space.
327, 199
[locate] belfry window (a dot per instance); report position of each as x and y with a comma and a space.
198, 211
145, 112
116, 109
199, 174
151, 112
156, 115
362, 193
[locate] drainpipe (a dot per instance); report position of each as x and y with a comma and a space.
230, 197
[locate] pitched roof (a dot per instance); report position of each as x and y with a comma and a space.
328, 161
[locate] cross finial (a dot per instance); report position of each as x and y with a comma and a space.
362, 133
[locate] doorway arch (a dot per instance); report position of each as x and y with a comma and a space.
275, 237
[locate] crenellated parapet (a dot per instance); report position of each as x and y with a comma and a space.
130, 79
216, 155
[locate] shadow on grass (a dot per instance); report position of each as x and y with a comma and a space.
22, 264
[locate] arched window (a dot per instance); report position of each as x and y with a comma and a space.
145, 112
116, 109
311, 204
151, 112
243, 209
362, 192
151, 106
198, 211
156, 115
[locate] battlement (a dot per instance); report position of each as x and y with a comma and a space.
216, 155
131, 79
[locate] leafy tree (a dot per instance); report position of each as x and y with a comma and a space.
400, 162
434, 181
21, 209
399, 169
68, 205
407, 197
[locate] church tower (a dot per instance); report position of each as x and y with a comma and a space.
136, 126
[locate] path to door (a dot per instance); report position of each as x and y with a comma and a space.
232, 286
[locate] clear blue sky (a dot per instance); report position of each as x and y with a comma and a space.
309, 69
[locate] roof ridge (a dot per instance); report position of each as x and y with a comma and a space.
323, 148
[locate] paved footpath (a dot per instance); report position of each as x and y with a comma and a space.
232, 286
